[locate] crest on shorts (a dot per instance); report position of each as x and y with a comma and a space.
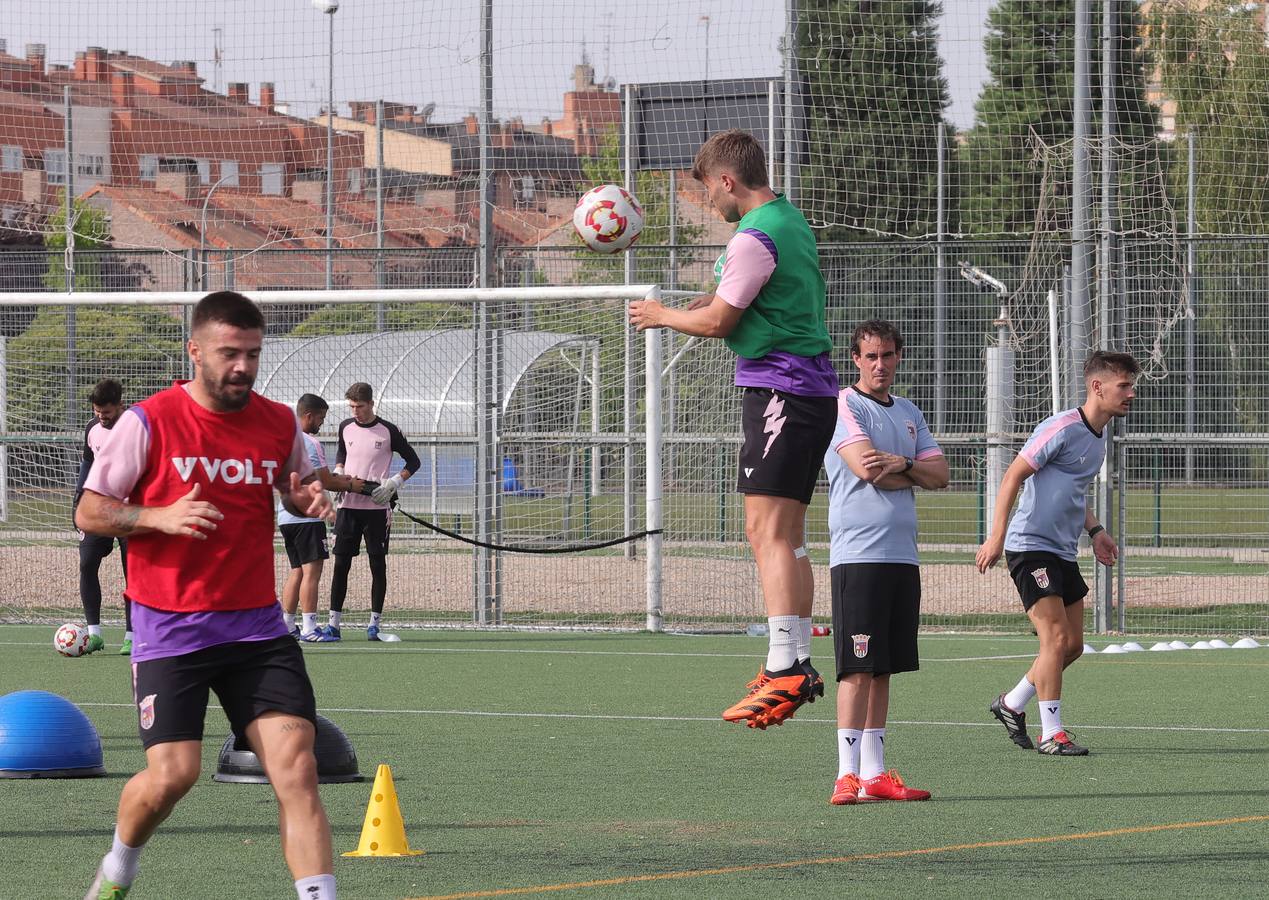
147, 711
911, 428
1041, 577
861, 644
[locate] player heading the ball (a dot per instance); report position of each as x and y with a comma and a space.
768, 308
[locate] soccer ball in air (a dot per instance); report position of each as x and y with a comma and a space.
608, 218
71, 640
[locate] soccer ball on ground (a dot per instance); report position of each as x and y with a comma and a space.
608, 218
71, 640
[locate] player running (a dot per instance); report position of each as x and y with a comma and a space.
188, 476
304, 536
768, 308
1053, 470
881, 450
107, 402
366, 445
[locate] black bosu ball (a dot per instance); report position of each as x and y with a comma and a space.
336, 758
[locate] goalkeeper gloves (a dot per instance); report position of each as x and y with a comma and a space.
387, 490
368, 488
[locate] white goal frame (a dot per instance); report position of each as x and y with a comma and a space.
653, 513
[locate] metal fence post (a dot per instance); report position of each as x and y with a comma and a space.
653, 488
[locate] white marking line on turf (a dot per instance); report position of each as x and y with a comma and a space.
475, 713
523, 650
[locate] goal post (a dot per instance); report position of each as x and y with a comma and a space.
550, 460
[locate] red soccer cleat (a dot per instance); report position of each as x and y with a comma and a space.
846, 790
889, 786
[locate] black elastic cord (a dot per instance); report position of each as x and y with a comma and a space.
570, 548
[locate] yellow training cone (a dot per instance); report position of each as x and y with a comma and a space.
383, 832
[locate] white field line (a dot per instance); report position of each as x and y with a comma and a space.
345, 648
475, 713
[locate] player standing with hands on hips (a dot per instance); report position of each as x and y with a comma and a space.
768, 308
1041, 543
188, 476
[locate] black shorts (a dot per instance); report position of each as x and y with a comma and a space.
1037, 574
305, 542
95, 547
785, 440
250, 678
351, 524
876, 612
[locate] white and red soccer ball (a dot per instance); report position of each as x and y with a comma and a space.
608, 218
71, 640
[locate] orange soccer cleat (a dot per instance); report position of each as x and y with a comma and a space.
774, 697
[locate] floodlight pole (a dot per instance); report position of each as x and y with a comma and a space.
627, 398
330, 146
72, 402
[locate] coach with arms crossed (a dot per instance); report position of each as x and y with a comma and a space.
881, 450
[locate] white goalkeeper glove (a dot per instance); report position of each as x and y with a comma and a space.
387, 490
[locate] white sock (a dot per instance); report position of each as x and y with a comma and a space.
872, 759
310, 623
374, 619
1050, 718
804, 639
94, 629
127, 635
1020, 696
849, 741
335, 617
316, 887
289, 620
782, 647
120, 864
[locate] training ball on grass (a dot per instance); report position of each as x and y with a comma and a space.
608, 218
71, 640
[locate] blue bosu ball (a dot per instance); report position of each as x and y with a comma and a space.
43, 735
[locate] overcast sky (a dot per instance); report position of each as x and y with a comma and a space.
426, 51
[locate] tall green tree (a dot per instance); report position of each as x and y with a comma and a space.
876, 98
1028, 104
1215, 65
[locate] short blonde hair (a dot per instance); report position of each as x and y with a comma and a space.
736, 150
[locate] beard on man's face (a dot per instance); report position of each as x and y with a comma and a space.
230, 391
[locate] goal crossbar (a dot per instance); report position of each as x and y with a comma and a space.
399, 295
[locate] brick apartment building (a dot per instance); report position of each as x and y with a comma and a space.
135, 120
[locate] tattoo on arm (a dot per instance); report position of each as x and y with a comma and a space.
123, 516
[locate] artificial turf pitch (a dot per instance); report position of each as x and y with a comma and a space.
595, 765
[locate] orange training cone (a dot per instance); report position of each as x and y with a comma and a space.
383, 832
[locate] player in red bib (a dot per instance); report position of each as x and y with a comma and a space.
188, 476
